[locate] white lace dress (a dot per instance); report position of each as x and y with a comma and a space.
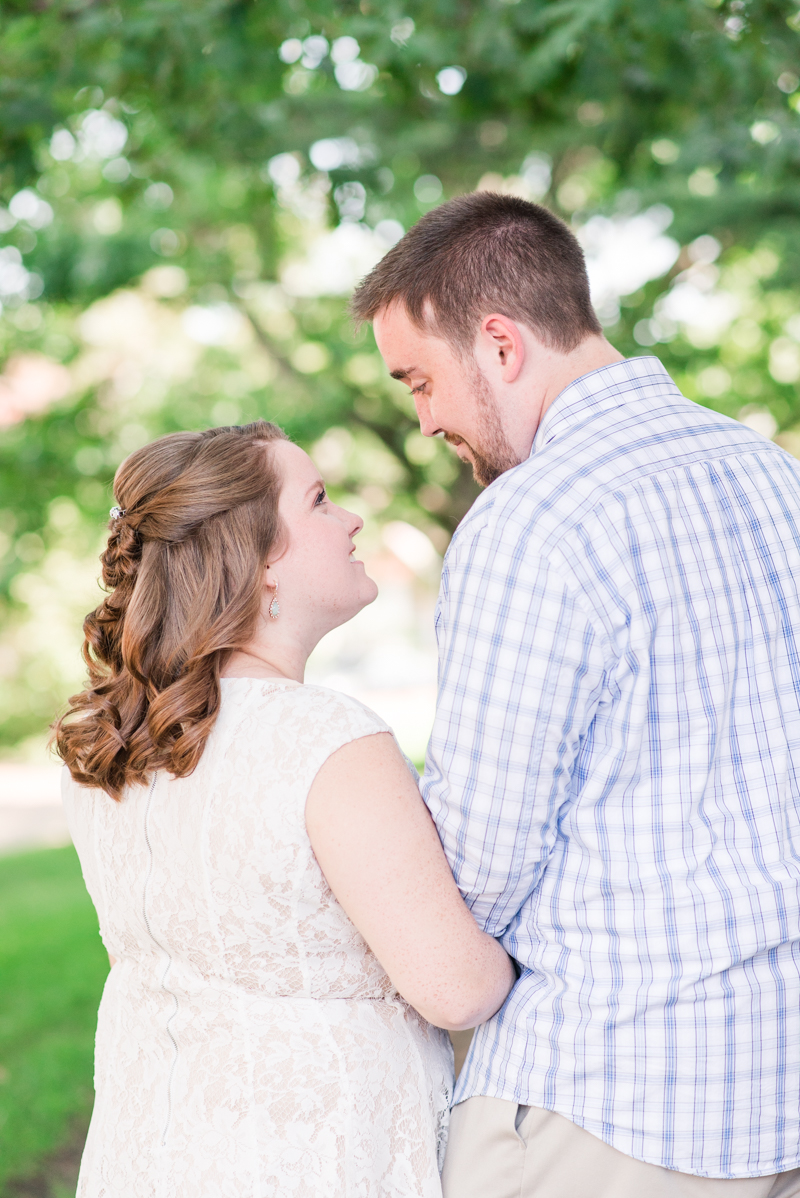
248, 1042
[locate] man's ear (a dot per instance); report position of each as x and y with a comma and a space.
501, 345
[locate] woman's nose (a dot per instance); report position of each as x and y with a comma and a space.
352, 522
357, 524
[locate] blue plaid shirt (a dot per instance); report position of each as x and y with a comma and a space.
613, 771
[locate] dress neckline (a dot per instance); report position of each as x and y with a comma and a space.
271, 681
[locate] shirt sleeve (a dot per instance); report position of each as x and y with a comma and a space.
521, 670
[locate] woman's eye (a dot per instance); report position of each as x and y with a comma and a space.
321, 497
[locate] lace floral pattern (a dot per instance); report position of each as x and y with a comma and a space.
248, 1041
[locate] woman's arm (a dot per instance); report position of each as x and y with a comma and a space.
380, 853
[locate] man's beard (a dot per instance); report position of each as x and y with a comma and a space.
495, 455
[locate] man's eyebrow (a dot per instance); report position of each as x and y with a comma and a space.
403, 373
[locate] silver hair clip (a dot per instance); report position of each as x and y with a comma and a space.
116, 513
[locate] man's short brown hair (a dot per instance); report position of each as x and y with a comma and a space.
484, 253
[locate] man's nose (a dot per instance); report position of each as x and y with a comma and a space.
427, 426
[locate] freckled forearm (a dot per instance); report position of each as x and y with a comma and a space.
463, 993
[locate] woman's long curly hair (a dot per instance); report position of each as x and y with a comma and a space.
184, 567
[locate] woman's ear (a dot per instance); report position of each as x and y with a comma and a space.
270, 578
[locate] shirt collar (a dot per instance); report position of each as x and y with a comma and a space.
601, 390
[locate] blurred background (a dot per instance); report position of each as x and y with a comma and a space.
188, 194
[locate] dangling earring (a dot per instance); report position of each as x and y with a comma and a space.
274, 607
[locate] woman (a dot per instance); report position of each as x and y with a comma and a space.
285, 936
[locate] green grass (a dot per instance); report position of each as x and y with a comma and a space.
52, 969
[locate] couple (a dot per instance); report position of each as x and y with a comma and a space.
613, 895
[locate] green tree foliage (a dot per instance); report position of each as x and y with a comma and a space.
53, 968
191, 189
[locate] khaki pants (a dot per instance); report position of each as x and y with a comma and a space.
498, 1149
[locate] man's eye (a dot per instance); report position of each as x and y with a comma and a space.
417, 390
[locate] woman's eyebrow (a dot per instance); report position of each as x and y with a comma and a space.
315, 486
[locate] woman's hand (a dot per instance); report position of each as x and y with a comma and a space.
380, 853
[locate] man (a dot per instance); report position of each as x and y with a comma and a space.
613, 769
